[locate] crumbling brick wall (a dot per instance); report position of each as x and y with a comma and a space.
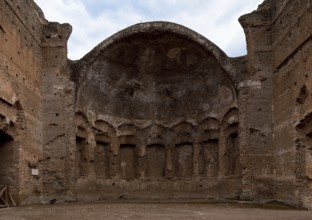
20, 72
279, 37
29, 61
99, 127
292, 70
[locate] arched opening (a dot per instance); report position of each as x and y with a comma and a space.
7, 160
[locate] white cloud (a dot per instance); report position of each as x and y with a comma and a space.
95, 20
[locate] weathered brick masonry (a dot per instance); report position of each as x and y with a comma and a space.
157, 111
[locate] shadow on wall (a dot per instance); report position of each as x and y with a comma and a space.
11, 131
7, 159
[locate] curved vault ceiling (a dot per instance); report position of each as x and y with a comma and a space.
156, 74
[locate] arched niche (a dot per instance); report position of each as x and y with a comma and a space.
156, 139
82, 154
128, 151
155, 71
104, 159
7, 158
12, 136
155, 134
208, 138
230, 152
104, 127
183, 151
127, 130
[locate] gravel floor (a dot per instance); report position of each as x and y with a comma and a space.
150, 211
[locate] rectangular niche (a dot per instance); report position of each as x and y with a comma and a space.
128, 161
82, 157
156, 160
211, 157
232, 163
101, 160
184, 160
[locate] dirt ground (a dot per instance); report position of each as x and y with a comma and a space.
150, 211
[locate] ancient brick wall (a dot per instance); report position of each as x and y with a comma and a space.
157, 111
255, 96
279, 50
156, 117
292, 69
31, 61
58, 138
20, 66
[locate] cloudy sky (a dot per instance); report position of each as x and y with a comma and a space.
95, 20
